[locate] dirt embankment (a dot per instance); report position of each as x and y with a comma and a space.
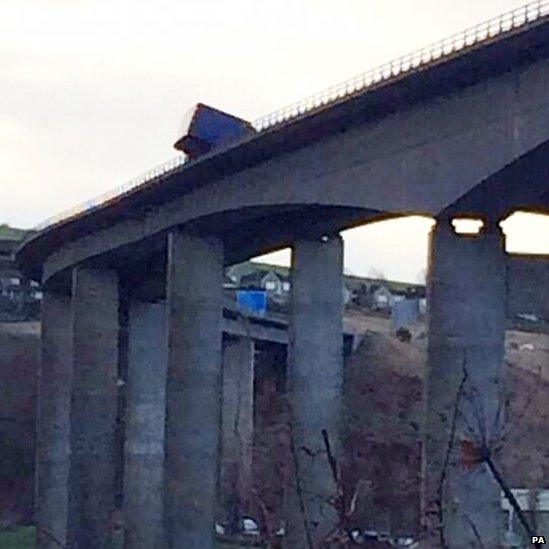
383, 419
384, 383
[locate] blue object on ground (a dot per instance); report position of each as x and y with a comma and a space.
252, 301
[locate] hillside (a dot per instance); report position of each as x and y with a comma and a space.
19, 356
384, 399
11, 233
384, 383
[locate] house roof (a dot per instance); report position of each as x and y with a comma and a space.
249, 269
256, 278
251, 280
254, 272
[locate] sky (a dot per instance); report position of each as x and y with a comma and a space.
92, 92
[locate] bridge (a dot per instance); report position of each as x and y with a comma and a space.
457, 130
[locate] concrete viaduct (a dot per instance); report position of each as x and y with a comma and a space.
137, 280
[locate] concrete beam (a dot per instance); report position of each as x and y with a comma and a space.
194, 299
386, 159
255, 330
95, 305
463, 394
315, 385
145, 417
53, 422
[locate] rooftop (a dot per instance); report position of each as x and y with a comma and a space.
252, 267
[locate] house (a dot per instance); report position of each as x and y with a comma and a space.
273, 279
380, 294
229, 282
273, 282
381, 297
19, 297
367, 293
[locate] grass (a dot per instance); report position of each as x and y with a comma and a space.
11, 233
22, 538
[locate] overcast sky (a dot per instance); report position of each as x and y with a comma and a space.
92, 92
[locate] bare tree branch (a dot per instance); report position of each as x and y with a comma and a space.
449, 450
475, 531
50, 536
299, 490
507, 491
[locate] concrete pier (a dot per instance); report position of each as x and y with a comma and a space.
237, 425
194, 309
463, 391
315, 384
145, 417
53, 422
95, 300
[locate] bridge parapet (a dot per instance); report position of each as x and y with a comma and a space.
382, 75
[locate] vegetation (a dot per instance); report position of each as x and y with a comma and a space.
20, 538
11, 233
25, 538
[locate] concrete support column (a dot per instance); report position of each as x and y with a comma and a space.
53, 422
93, 414
237, 425
145, 417
315, 385
463, 389
193, 397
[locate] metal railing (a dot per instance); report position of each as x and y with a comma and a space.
396, 68
113, 194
